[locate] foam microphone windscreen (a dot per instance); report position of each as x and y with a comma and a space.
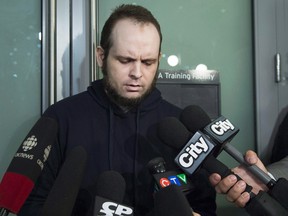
110, 193
173, 133
170, 201
62, 197
111, 185
27, 164
194, 118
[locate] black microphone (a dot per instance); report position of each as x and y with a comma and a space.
208, 141
110, 189
221, 131
279, 191
194, 115
170, 201
200, 151
26, 165
164, 178
62, 197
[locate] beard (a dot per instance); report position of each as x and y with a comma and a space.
118, 99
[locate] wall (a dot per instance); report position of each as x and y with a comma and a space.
20, 73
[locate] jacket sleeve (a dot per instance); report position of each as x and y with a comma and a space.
280, 146
279, 169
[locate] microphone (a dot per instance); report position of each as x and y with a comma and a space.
200, 151
194, 115
62, 197
221, 131
170, 201
165, 178
111, 188
26, 165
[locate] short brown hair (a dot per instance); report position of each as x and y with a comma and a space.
134, 12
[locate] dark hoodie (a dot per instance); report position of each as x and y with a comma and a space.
114, 140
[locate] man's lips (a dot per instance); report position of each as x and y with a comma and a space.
133, 87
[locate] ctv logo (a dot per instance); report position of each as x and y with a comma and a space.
221, 127
176, 179
112, 209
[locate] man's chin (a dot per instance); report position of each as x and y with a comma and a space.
132, 96
129, 102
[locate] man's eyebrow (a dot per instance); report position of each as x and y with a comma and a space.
149, 59
125, 57
132, 58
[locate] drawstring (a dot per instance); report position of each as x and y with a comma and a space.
111, 135
135, 154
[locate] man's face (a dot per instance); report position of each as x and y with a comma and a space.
133, 59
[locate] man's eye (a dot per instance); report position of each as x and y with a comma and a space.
148, 63
125, 61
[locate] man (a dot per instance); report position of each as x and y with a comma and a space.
115, 119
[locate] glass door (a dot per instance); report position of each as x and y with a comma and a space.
20, 73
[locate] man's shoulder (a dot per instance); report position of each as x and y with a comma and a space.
74, 99
76, 102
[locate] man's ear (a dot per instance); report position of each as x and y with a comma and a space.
99, 56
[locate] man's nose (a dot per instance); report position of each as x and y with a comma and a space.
136, 71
